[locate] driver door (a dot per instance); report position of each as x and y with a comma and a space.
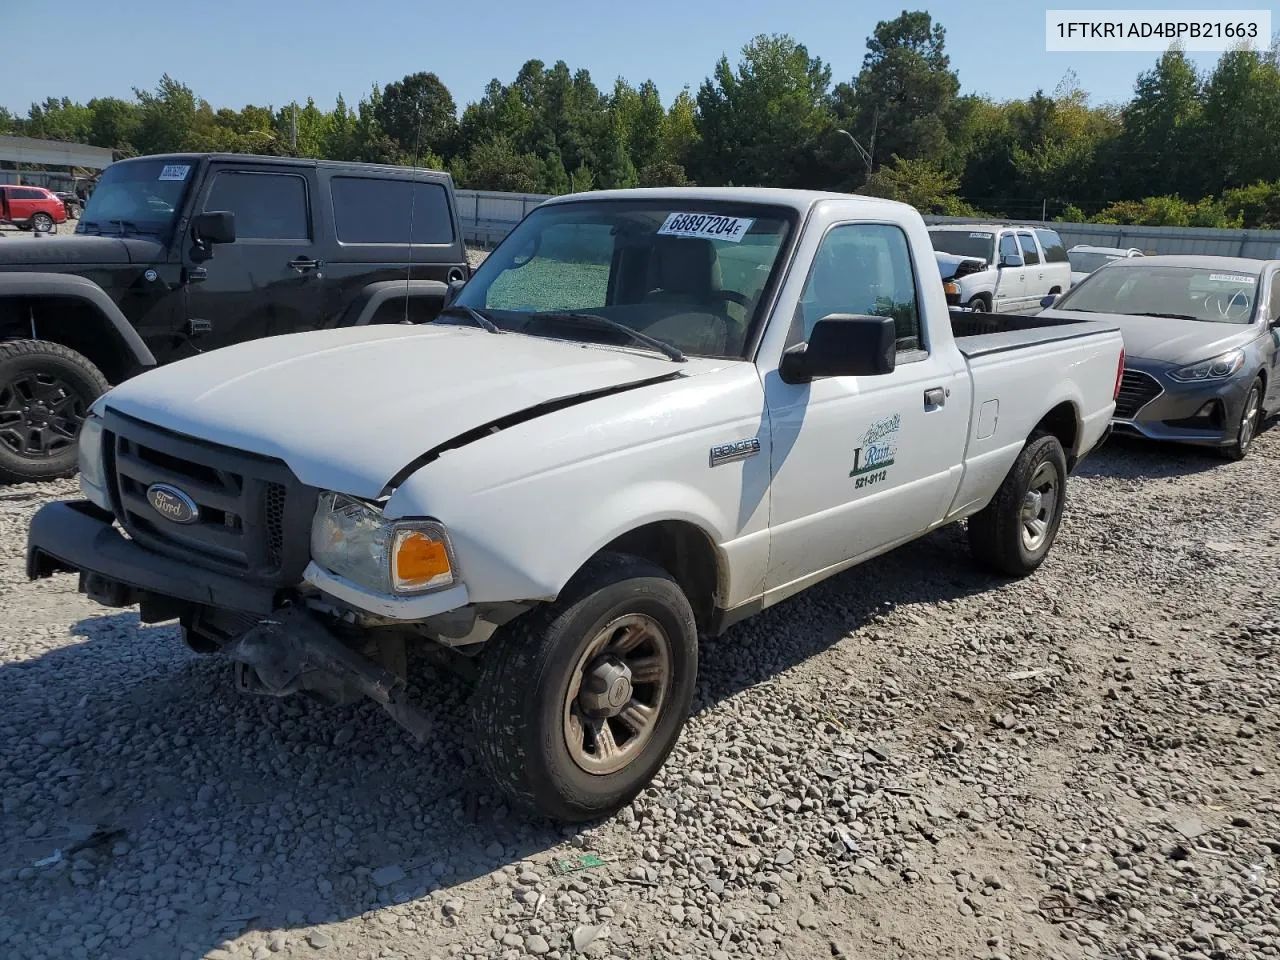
1011, 282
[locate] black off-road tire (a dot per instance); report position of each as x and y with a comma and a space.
70, 382
524, 680
996, 531
1243, 443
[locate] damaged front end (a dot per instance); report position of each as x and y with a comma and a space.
293, 651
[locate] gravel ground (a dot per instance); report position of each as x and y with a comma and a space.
912, 760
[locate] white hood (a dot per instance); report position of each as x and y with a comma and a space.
347, 409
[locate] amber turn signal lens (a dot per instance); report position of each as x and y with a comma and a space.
420, 559
951, 288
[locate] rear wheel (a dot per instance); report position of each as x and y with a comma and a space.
579, 703
1248, 425
45, 392
41, 222
1013, 533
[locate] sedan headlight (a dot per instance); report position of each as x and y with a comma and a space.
93, 475
1215, 368
352, 539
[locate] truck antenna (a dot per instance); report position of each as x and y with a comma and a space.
413, 194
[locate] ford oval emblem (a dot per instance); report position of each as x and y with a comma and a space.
172, 504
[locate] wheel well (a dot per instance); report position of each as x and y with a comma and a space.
1062, 423
686, 552
1055, 289
72, 322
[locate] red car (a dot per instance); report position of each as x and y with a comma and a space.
30, 207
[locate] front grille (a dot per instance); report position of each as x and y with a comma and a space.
1137, 389
253, 516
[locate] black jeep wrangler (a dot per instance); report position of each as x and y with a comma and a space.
179, 254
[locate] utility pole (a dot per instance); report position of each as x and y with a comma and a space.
294, 139
863, 152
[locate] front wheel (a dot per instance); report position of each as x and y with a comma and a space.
978, 304
579, 703
45, 392
1013, 533
1247, 427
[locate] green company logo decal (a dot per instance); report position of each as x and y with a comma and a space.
877, 448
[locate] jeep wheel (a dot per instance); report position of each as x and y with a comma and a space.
1013, 533
579, 703
45, 392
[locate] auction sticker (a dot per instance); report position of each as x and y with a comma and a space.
980, 236
708, 226
174, 171
1231, 278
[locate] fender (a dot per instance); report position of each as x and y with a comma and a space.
78, 288
363, 308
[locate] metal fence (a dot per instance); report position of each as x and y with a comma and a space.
488, 216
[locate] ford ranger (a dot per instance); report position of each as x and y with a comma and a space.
648, 415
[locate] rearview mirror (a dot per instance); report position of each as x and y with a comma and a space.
455, 287
1049, 301
843, 345
216, 226
1011, 260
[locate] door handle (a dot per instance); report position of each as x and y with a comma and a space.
304, 263
935, 397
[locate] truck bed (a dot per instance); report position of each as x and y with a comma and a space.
979, 334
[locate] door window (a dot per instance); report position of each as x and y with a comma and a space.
1008, 247
1029, 252
268, 206
863, 269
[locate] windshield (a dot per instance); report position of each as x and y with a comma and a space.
1083, 262
136, 196
1209, 294
691, 275
964, 243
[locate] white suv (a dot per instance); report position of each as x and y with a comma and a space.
1021, 264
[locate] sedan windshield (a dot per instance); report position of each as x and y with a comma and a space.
686, 277
1208, 294
136, 196
964, 243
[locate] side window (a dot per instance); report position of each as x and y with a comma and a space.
1029, 252
1055, 251
268, 206
1274, 312
29, 193
862, 268
368, 210
1008, 246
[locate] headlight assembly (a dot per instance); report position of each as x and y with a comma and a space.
1215, 368
93, 475
352, 539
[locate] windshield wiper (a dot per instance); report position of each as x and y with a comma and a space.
458, 309
594, 319
1170, 316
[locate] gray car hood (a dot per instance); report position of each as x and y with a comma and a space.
1166, 339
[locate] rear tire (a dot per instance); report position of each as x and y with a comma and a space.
1013, 533
45, 392
550, 729
41, 222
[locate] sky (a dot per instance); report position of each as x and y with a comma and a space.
269, 52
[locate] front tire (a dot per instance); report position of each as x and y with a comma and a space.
978, 304
45, 392
1013, 533
1249, 424
580, 702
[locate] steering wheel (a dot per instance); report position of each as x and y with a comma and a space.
1225, 307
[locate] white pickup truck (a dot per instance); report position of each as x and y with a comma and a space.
649, 414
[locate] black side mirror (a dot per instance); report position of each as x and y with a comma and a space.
455, 288
1049, 301
216, 226
843, 345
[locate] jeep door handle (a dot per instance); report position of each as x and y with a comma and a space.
304, 263
935, 397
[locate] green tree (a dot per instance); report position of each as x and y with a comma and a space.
679, 133
760, 124
167, 117
1161, 129
1241, 113
495, 165
114, 123
1257, 206
923, 184
418, 112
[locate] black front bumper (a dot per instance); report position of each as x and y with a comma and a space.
78, 537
